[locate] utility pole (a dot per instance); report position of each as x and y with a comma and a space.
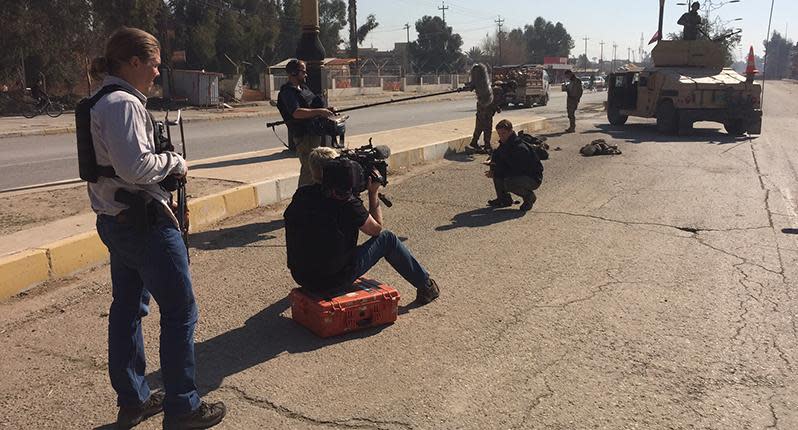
499, 21
586, 39
443, 8
628, 54
407, 27
601, 57
614, 55
310, 48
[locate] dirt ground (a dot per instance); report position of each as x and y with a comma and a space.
31, 209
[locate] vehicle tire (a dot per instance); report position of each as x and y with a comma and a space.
667, 117
30, 111
505, 105
55, 110
544, 100
734, 127
615, 117
530, 101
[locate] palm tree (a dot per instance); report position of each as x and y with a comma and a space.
475, 54
352, 28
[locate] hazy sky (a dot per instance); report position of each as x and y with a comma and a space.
621, 22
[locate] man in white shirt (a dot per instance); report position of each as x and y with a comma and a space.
148, 256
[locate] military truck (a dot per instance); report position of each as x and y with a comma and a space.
688, 83
522, 85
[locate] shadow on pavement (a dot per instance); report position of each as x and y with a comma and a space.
460, 157
236, 237
644, 133
553, 134
243, 161
263, 336
481, 217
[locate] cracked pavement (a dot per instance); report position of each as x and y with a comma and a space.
648, 290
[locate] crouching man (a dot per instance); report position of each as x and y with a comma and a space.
515, 168
322, 224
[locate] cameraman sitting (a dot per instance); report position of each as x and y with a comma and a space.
321, 228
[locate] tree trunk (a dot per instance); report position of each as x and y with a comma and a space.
353, 30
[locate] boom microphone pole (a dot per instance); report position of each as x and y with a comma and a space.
461, 89
479, 83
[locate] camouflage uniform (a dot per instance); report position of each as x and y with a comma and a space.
484, 124
574, 92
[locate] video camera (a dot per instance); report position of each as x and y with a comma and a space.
373, 160
332, 129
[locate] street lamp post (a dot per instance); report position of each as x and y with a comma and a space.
310, 48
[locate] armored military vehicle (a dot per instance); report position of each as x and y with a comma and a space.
687, 83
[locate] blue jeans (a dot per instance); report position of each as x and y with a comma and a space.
154, 263
387, 245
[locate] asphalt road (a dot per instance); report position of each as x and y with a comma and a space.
35, 160
650, 290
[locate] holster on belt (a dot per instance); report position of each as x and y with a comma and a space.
139, 214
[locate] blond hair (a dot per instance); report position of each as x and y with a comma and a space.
316, 160
124, 44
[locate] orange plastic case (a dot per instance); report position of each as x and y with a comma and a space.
367, 303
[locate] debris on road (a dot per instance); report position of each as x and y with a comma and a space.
599, 147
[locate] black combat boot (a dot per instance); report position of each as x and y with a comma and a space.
528, 202
206, 416
500, 203
428, 293
131, 416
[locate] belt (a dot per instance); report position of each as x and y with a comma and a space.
154, 209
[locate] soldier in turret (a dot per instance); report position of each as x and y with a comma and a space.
691, 21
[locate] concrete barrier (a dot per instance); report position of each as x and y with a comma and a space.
18, 271
75, 253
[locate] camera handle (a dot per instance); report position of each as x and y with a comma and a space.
383, 198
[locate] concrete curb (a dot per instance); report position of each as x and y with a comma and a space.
28, 268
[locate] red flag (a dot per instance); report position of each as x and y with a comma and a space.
655, 37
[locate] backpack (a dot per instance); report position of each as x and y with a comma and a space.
536, 144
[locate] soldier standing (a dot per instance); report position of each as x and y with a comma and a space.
484, 122
299, 106
691, 21
574, 92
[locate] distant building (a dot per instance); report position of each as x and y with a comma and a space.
372, 61
339, 66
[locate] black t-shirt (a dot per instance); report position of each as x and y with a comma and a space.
320, 234
292, 98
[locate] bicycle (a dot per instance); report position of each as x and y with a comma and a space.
52, 109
